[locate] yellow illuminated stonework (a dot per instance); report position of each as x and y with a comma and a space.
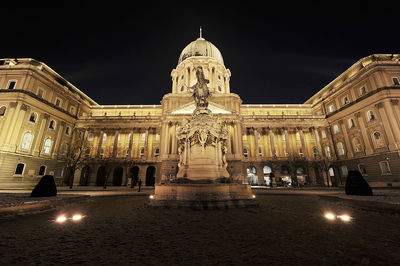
353, 123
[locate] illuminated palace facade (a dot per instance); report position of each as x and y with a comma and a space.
350, 124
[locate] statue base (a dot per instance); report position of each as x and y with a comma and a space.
203, 196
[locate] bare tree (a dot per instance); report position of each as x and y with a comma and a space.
76, 155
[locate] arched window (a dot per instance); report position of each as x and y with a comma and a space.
156, 152
64, 149
344, 170
27, 141
143, 138
11, 84
67, 131
141, 152
52, 124
345, 100
323, 134
19, 170
47, 146
351, 123
371, 116
104, 136
362, 169
336, 129
315, 152
300, 171
3, 110
340, 147
251, 175
33, 117
378, 140
357, 144
331, 108
267, 170
90, 137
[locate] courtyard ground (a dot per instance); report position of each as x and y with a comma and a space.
288, 228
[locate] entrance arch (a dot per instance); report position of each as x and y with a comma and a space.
267, 175
101, 176
150, 176
84, 180
134, 174
117, 176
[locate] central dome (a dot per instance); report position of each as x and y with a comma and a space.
201, 47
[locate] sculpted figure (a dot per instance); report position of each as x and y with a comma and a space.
200, 89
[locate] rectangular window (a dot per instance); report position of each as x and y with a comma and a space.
396, 81
19, 170
331, 108
58, 102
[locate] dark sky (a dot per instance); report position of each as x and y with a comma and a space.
124, 54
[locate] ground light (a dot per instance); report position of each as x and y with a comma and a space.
254, 196
151, 196
62, 218
331, 217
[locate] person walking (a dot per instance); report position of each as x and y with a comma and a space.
140, 184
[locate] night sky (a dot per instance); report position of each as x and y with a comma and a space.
125, 54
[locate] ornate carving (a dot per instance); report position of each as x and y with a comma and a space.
24, 107
379, 105
341, 121
394, 102
13, 104
358, 114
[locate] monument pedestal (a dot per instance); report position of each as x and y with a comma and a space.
203, 196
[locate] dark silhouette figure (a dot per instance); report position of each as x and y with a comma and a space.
140, 184
45, 188
356, 185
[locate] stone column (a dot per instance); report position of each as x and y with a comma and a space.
393, 120
14, 132
349, 149
164, 139
255, 133
58, 138
9, 116
365, 136
303, 143
146, 143
115, 147
38, 140
173, 146
238, 140
100, 143
386, 125
287, 141
319, 145
272, 142
130, 145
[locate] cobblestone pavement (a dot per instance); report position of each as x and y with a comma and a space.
285, 229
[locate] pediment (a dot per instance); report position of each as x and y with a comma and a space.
190, 107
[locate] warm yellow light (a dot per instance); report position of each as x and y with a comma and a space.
61, 219
329, 216
151, 197
76, 217
254, 196
344, 217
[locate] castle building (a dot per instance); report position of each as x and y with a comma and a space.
353, 123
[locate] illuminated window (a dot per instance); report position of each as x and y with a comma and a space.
323, 134
3, 110
378, 140
284, 137
19, 170
104, 136
385, 168
156, 152
357, 144
267, 170
47, 146
90, 137
315, 152
141, 152
27, 141
327, 152
336, 129
396, 81
11, 84
143, 138
340, 147
344, 170
297, 136
331, 108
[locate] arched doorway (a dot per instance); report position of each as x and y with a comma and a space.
134, 174
150, 176
332, 176
252, 177
117, 176
84, 180
285, 179
300, 176
318, 175
101, 176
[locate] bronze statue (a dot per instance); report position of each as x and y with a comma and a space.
200, 89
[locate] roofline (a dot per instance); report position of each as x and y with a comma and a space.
353, 70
